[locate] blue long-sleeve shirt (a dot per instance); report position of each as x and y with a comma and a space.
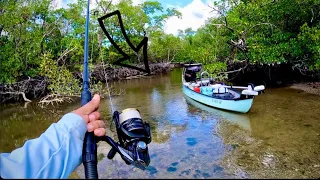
55, 154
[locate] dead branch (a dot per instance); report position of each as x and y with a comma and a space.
224, 17
240, 44
137, 76
236, 71
28, 87
104, 9
65, 52
228, 72
26, 105
18, 93
102, 71
50, 31
53, 99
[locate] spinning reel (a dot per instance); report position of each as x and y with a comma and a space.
133, 135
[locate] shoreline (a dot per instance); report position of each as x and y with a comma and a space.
308, 87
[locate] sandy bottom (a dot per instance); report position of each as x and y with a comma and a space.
313, 88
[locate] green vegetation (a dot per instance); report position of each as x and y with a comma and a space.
260, 32
39, 40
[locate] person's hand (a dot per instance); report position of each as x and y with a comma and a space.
91, 116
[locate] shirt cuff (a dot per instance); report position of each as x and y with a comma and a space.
74, 122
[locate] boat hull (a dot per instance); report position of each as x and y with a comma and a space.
240, 119
242, 106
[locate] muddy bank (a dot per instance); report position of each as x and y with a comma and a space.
312, 88
28, 88
272, 75
101, 73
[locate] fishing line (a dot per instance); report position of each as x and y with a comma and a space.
111, 104
108, 89
106, 78
110, 98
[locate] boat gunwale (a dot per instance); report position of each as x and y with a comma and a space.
237, 99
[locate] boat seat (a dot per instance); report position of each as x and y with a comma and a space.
227, 96
235, 94
220, 90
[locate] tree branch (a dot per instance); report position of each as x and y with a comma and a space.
259, 25
17, 93
65, 52
224, 17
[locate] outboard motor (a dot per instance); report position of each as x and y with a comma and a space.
260, 89
250, 87
133, 135
249, 91
253, 90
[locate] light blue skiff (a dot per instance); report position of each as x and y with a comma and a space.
240, 119
238, 105
214, 94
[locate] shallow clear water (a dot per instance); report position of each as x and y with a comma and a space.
277, 138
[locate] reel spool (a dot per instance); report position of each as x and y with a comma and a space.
134, 135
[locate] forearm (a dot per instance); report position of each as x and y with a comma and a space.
55, 154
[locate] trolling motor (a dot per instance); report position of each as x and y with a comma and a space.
133, 135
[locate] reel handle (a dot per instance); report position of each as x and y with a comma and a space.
116, 148
112, 153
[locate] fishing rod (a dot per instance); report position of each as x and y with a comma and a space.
89, 150
133, 133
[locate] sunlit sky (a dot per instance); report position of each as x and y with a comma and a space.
194, 12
